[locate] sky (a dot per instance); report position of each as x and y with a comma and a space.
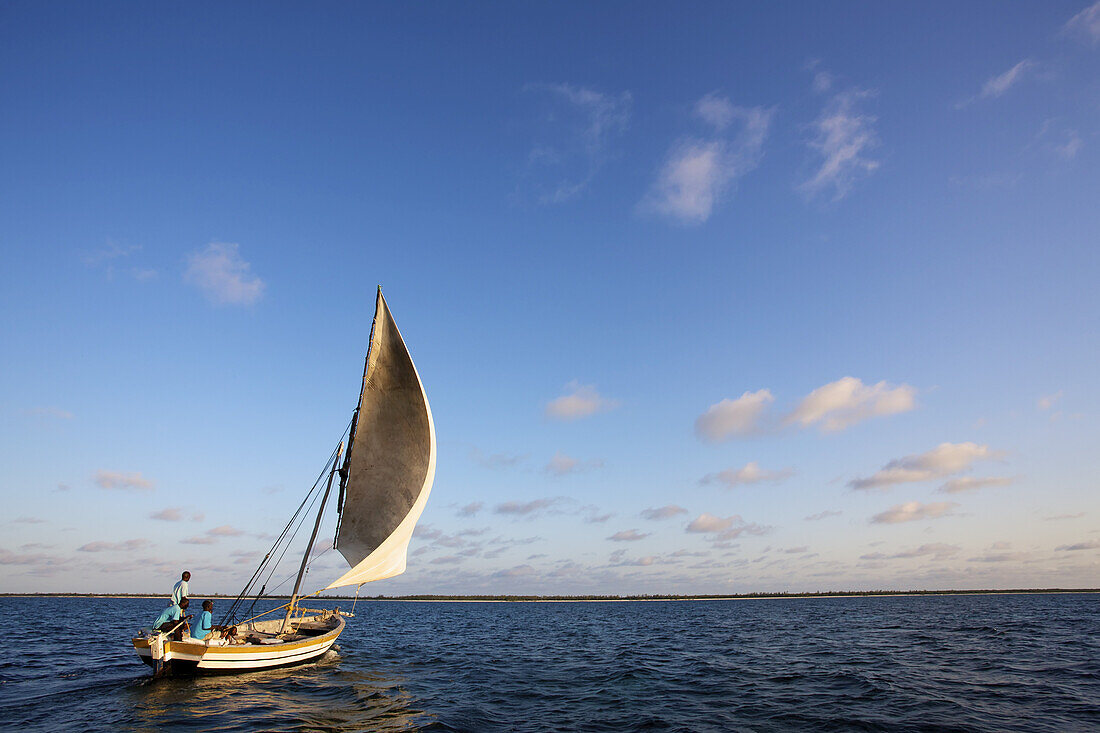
706, 298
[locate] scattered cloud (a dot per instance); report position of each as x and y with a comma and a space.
111, 251
1059, 140
750, 473
725, 528
697, 172
496, 460
127, 546
7, 557
847, 401
594, 516
1086, 24
728, 418
1048, 401
126, 481
581, 126
225, 531
912, 511
29, 520
1062, 517
471, 509
1001, 83
716, 110
171, 514
843, 139
1070, 146
628, 535
993, 557
665, 512
562, 465
581, 400
1090, 545
523, 509
971, 483
223, 276
823, 515
200, 540
943, 460
937, 550
519, 571
54, 412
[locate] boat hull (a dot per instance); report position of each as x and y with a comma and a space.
195, 657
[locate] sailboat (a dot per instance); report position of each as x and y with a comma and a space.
384, 482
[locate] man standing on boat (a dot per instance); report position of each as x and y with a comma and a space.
173, 618
180, 590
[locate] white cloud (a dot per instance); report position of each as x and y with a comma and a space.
1001, 83
739, 417
716, 110
518, 508
1086, 24
697, 173
171, 514
471, 509
725, 528
1062, 517
580, 401
943, 460
823, 515
56, 412
1047, 401
496, 460
1072, 145
128, 481
665, 512
199, 541
223, 276
847, 401
750, 473
581, 128
936, 550
710, 523
1089, 545
561, 465
912, 511
971, 483
126, 545
225, 531
844, 138
628, 535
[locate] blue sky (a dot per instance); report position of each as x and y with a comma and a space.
706, 299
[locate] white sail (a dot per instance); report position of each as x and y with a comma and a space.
390, 463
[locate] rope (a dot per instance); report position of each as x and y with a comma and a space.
231, 612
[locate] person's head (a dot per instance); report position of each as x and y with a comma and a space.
186, 575
208, 605
184, 603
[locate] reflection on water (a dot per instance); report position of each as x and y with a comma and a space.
954, 663
317, 696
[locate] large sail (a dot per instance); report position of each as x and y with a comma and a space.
390, 462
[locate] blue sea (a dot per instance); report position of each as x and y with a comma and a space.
926, 663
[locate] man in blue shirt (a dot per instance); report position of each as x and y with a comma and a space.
180, 590
170, 617
204, 625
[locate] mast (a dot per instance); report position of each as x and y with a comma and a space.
312, 539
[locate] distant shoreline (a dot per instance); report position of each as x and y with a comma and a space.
593, 599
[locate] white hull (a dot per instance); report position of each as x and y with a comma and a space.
197, 656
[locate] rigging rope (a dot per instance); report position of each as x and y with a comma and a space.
313, 493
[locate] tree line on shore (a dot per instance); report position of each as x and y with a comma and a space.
644, 597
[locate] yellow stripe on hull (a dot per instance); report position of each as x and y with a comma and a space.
241, 657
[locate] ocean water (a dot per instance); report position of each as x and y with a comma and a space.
965, 663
